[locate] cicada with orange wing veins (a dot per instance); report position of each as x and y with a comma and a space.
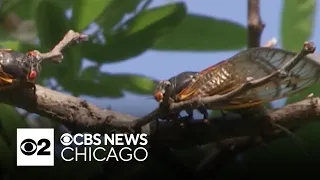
171, 87
256, 63
18, 69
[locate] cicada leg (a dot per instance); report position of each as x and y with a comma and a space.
32, 86
189, 117
205, 114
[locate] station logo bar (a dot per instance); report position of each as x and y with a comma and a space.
35, 147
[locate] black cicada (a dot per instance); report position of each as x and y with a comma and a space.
18, 68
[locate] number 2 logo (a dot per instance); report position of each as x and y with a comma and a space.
29, 147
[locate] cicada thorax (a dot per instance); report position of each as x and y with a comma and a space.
218, 79
173, 86
17, 68
255, 63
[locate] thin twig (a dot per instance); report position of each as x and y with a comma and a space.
55, 54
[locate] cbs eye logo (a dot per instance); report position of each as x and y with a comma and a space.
29, 147
66, 139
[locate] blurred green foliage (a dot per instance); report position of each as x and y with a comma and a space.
297, 23
127, 29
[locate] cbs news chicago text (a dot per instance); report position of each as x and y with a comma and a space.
36, 147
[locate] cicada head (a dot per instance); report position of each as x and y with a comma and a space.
32, 65
173, 86
18, 65
161, 89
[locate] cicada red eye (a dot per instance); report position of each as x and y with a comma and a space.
32, 53
32, 75
158, 96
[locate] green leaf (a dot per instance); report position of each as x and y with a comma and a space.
131, 82
7, 156
200, 33
64, 4
315, 89
92, 85
163, 17
97, 84
5, 35
10, 121
10, 45
50, 33
141, 33
85, 12
114, 13
120, 50
23, 9
298, 18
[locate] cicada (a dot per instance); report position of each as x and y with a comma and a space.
256, 63
172, 87
18, 68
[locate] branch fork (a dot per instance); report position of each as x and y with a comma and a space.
55, 54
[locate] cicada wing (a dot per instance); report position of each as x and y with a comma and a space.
208, 81
255, 63
265, 61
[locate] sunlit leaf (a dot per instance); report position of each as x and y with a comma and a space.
85, 12
298, 18
10, 45
201, 33
141, 32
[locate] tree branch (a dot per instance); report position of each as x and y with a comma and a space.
255, 24
232, 131
79, 115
